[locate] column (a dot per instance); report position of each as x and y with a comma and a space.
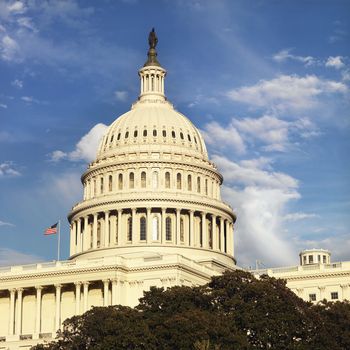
222, 235
77, 297
114, 291
19, 311
214, 232
149, 226
141, 84
322, 290
38, 310
300, 292
344, 292
85, 296
192, 238
106, 234
79, 236
163, 226
105, 292
86, 235
135, 237
72, 238
12, 311
121, 237
58, 307
113, 230
94, 232
178, 212
204, 231
229, 234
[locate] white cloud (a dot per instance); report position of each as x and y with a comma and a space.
4, 223
223, 137
9, 49
10, 257
17, 83
335, 62
287, 92
30, 100
3, 105
7, 170
85, 149
27, 23
121, 95
299, 216
345, 74
16, 7
285, 54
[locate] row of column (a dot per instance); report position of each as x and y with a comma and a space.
152, 82
114, 232
345, 292
16, 306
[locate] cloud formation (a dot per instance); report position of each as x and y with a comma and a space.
4, 223
335, 62
7, 170
85, 149
287, 92
285, 55
10, 257
121, 95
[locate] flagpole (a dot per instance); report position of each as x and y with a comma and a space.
59, 240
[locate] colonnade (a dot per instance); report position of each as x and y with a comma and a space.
169, 226
152, 80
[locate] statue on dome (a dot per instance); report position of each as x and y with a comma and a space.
152, 39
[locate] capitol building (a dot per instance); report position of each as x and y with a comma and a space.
151, 215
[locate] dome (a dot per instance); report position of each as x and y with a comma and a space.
153, 126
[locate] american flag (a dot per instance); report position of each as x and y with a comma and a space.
52, 230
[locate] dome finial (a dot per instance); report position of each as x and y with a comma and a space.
152, 53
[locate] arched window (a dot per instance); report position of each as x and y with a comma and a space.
110, 183
195, 140
154, 132
120, 181
210, 229
181, 135
143, 179
173, 134
182, 230
164, 133
111, 140
143, 228
101, 185
155, 180
167, 180
198, 184
189, 183
189, 137
145, 133
127, 134
155, 228
118, 138
168, 228
178, 181
129, 237
206, 186
98, 234
131, 180
135, 133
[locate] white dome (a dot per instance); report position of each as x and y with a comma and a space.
152, 126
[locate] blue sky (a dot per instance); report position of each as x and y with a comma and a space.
267, 82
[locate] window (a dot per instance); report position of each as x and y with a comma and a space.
135, 133
189, 183
189, 137
127, 134
118, 138
120, 181
143, 179
195, 140
110, 183
324, 259
198, 184
319, 258
129, 228
94, 194
145, 133
98, 234
182, 230
167, 180
101, 185
178, 181
111, 139
312, 297
131, 180
210, 231
154, 132
173, 134
334, 295
304, 259
116, 229
155, 180
164, 133
206, 186
155, 229
168, 228
181, 135
143, 229
311, 259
